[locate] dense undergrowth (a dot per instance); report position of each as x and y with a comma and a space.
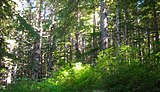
113, 72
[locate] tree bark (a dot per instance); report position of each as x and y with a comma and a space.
52, 42
50, 50
38, 45
94, 45
118, 24
149, 43
126, 27
155, 26
104, 27
77, 34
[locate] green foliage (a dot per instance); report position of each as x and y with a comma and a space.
117, 69
23, 25
112, 73
6, 10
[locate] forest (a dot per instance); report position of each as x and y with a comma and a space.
79, 46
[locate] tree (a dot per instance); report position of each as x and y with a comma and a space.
50, 34
104, 27
118, 23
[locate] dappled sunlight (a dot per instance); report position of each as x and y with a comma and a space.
11, 44
79, 46
78, 66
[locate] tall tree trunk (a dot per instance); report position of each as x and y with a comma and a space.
9, 75
139, 35
149, 43
1, 41
126, 27
94, 28
41, 39
104, 26
50, 66
37, 57
83, 47
71, 55
156, 26
64, 47
52, 42
77, 44
139, 41
118, 24
94, 55
70, 48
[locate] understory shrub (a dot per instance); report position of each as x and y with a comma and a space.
114, 72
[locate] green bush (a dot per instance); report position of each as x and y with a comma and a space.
114, 72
